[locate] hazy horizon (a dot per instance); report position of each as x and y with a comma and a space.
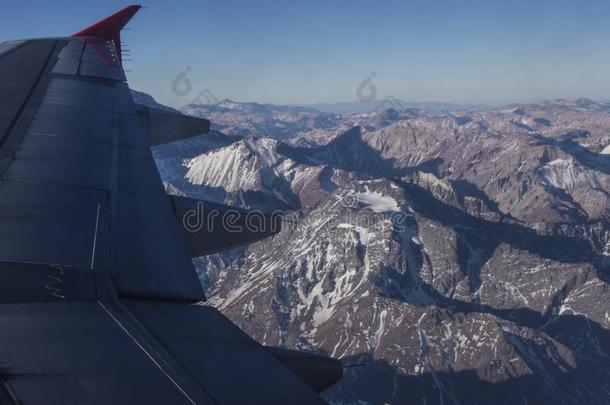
466, 52
497, 104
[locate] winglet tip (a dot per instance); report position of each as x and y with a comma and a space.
111, 26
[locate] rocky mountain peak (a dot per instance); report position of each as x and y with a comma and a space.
447, 256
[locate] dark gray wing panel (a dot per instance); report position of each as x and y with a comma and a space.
88, 238
80, 186
67, 338
5, 47
214, 351
70, 121
76, 353
44, 283
42, 158
54, 224
21, 70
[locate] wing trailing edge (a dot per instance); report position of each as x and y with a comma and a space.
164, 126
317, 371
211, 227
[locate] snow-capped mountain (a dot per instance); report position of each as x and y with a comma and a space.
264, 120
446, 257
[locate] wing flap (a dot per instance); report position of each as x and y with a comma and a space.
319, 372
211, 227
163, 126
230, 366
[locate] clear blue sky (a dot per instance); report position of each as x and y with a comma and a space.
478, 51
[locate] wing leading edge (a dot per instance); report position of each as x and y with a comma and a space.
97, 289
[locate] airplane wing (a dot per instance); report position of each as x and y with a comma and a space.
98, 293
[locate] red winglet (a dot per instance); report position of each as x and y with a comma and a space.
110, 27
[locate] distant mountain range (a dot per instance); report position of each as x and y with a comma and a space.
457, 256
264, 120
361, 107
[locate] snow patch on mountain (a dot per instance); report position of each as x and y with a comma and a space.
235, 167
565, 174
464, 296
377, 202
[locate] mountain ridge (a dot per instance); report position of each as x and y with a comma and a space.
460, 257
